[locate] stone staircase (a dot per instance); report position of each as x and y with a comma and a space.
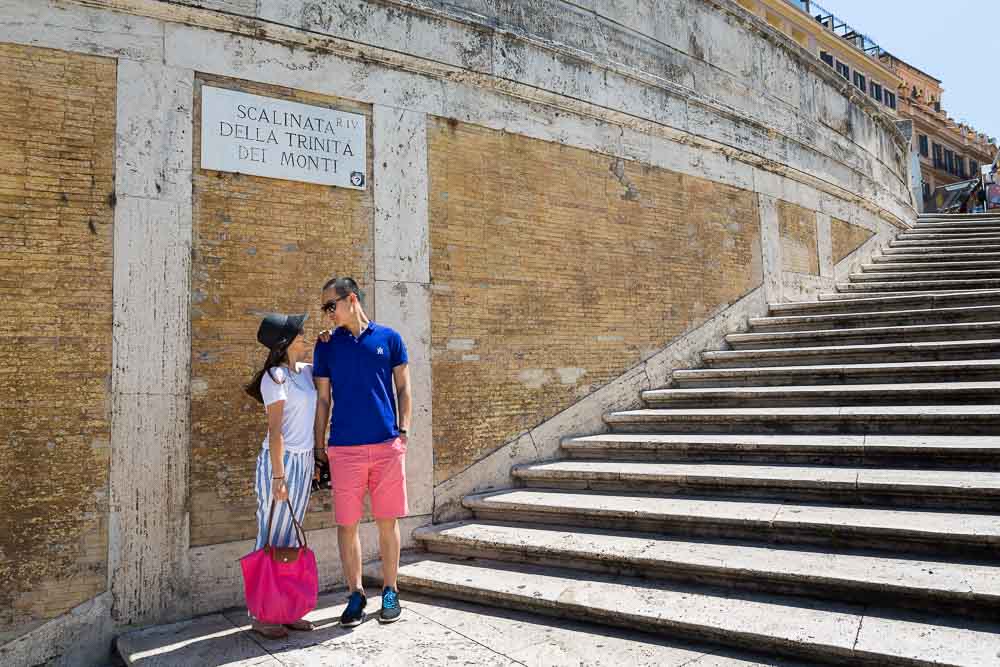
827, 488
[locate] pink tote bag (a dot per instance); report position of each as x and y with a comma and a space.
281, 583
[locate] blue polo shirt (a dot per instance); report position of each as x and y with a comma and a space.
360, 373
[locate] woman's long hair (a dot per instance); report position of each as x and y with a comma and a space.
275, 358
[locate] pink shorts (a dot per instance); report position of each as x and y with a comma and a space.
378, 469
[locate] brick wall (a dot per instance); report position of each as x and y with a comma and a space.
260, 245
846, 238
57, 142
799, 251
555, 269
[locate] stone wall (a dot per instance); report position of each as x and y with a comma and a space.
799, 248
555, 270
566, 201
57, 133
847, 238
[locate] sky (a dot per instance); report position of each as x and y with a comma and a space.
948, 40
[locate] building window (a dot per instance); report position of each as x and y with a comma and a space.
826, 57
949, 161
973, 168
859, 81
890, 99
959, 166
843, 70
938, 156
876, 91
922, 140
927, 190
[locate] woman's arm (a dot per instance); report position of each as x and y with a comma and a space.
276, 448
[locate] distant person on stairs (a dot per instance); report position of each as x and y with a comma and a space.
356, 367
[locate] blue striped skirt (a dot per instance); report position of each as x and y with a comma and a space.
298, 476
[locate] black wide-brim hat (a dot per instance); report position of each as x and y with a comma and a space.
277, 329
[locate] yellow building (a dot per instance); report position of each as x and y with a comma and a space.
850, 53
949, 151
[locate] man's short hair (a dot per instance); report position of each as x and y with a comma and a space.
344, 286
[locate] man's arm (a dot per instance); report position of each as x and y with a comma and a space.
322, 415
401, 378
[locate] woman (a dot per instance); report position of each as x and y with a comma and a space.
285, 464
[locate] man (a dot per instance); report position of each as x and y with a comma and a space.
357, 367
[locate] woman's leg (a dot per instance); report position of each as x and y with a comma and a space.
263, 487
299, 470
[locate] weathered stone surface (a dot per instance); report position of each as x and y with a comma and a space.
212, 639
924, 639
745, 565
431, 632
401, 225
89, 30
81, 636
934, 528
764, 622
154, 132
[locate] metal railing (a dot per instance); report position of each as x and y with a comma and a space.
842, 29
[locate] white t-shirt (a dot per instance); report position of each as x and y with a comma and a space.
299, 394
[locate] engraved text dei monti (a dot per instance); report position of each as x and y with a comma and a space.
263, 136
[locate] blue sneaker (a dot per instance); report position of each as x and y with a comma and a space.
390, 606
355, 612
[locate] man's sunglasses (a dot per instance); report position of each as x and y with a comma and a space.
331, 305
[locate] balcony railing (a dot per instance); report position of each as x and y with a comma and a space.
825, 17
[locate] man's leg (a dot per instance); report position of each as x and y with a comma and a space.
349, 544
388, 545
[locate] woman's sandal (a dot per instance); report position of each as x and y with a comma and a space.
302, 625
268, 630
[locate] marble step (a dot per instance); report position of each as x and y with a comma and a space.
925, 275
941, 451
866, 419
946, 255
864, 335
970, 235
880, 293
916, 267
956, 220
916, 284
988, 348
891, 530
899, 393
898, 372
966, 588
871, 318
970, 248
944, 240
938, 489
847, 303
786, 625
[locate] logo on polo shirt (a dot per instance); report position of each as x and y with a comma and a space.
380, 351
